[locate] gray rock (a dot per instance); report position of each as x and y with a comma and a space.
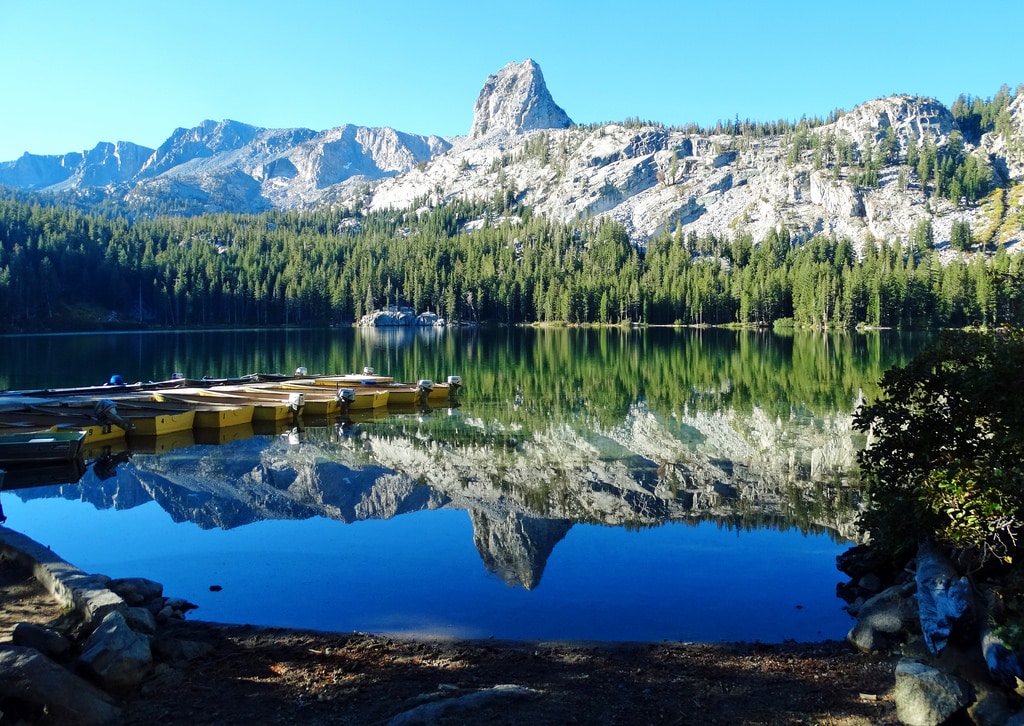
180, 605
31, 677
48, 641
116, 655
136, 590
883, 618
141, 620
925, 696
991, 707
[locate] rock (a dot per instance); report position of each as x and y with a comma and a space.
990, 708
136, 590
400, 317
116, 655
882, 619
179, 605
925, 696
30, 677
141, 620
49, 641
870, 582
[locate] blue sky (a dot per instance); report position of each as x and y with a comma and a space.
75, 73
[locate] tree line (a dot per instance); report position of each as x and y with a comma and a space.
63, 268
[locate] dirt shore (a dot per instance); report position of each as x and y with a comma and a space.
272, 676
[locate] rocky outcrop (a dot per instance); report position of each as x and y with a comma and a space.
516, 100
914, 612
400, 317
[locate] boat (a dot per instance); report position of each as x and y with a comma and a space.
268, 406
313, 404
206, 415
214, 416
398, 393
153, 421
368, 378
117, 386
40, 446
44, 422
324, 401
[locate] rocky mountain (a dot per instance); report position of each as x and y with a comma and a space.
229, 166
651, 178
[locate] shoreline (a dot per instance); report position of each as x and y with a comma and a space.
244, 673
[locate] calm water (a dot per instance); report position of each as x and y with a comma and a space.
607, 485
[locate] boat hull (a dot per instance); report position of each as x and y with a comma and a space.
162, 424
222, 417
40, 446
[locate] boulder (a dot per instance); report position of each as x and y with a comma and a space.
136, 590
141, 620
29, 677
925, 696
115, 655
48, 641
883, 618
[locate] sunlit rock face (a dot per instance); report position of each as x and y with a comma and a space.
515, 100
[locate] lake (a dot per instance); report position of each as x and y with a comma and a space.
587, 484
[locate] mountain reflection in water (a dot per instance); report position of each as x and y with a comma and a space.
717, 441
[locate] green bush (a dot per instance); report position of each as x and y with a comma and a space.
945, 454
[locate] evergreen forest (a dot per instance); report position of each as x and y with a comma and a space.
62, 268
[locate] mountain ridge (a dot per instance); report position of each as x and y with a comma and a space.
852, 176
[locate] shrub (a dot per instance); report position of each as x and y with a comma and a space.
945, 459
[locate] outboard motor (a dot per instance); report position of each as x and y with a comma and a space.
425, 386
454, 384
296, 401
300, 371
106, 413
367, 370
345, 397
116, 380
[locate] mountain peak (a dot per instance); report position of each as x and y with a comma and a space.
516, 100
